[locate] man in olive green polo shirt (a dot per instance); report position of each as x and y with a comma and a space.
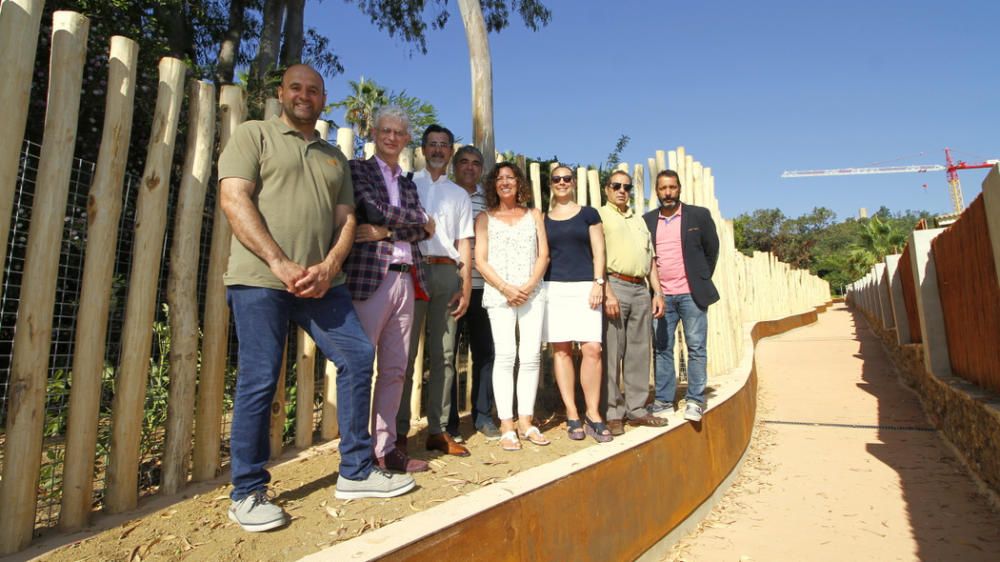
628, 308
288, 196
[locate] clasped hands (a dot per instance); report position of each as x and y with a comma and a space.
305, 282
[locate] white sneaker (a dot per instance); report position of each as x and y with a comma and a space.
379, 484
257, 513
693, 411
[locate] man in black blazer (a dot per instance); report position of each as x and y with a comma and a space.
686, 246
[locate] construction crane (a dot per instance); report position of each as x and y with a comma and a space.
951, 167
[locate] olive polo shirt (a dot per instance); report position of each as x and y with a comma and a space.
626, 239
298, 184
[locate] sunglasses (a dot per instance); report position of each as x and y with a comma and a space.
560, 179
616, 186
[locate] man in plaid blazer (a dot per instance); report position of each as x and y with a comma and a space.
383, 274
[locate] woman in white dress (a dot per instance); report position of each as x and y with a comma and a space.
512, 255
574, 288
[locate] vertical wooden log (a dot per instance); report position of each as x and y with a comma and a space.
687, 193
19, 24
272, 108
182, 286
653, 170
581, 186
697, 184
277, 432
419, 162
369, 150
672, 159
33, 332
594, 183
406, 160
323, 129
481, 68
215, 341
345, 141
418, 375
140, 308
104, 207
639, 179
305, 389
328, 427
535, 171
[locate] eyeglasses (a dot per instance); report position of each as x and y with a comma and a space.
616, 186
438, 145
560, 179
387, 131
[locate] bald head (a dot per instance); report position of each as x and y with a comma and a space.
299, 70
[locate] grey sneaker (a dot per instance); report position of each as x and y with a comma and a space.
257, 513
657, 406
489, 431
379, 484
693, 411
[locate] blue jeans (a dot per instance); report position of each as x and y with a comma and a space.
694, 320
262, 317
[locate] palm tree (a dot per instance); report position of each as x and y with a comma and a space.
878, 239
364, 100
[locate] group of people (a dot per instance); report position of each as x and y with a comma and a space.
362, 255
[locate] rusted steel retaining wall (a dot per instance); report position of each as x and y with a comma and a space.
910, 296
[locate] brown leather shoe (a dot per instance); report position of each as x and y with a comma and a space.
444, 443
401, 444
617, 427
397, 461
649, 420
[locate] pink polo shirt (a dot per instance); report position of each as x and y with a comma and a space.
401, 251
669, 256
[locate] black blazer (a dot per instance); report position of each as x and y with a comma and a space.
700, 248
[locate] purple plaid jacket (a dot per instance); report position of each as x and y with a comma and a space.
368, 262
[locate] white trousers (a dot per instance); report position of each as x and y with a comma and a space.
507, 323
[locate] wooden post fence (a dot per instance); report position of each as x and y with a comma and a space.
305, 389
103, 211
150, 219
215, 341
19, 24
182, 286
30, 365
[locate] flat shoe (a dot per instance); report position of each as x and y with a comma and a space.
535, 436
507, 439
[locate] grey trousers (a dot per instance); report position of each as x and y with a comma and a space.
443, 282
627, 341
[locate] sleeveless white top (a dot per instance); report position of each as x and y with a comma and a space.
512, 252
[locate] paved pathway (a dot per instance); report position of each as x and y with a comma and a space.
869, 481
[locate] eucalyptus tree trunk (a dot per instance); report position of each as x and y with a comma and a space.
230, 47
291, 47
482, 79
270, 38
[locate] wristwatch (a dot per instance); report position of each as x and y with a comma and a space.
599, 281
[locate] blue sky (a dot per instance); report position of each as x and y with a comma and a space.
750, 89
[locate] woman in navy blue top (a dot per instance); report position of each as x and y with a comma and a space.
573, 309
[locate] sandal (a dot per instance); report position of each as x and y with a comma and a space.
575, 430
535, 436
598, 430
510, 442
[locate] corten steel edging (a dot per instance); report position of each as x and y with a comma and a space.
616, 508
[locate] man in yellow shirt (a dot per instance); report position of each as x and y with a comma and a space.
628, 308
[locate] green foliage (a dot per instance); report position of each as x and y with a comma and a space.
406, 19
840, 252
365, 99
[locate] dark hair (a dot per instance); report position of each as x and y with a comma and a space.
435, 128
618, 173
463, 150
490, 186
667, 174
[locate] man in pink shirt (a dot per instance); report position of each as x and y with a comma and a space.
686, 249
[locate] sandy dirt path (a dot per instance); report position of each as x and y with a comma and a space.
844, 464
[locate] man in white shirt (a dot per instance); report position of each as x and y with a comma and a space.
447, 262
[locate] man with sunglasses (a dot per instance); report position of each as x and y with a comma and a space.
447, 259
687, 249
628, 308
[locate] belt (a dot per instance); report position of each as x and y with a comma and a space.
629, 278
400, 267
440, 260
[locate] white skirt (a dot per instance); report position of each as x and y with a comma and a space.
568, 316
